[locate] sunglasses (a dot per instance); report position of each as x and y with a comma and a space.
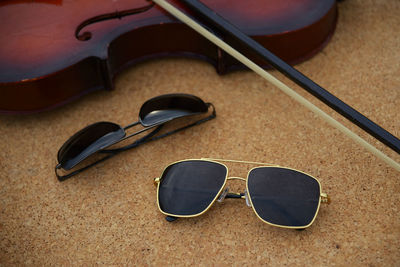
279, 196
153, 115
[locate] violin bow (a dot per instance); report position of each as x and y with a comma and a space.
329, 99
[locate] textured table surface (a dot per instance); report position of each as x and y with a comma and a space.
108, 215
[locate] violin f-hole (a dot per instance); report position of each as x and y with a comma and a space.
85, 36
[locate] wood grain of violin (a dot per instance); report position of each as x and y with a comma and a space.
43, 64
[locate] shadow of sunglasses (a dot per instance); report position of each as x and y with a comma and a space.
153, 114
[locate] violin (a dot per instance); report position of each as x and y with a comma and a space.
55, 51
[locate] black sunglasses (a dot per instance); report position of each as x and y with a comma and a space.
279, 196
153, 114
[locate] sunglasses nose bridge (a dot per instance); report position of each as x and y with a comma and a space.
227, 194
236, 178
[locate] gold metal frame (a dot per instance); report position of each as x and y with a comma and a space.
324, 198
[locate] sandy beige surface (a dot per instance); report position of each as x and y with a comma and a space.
108, 214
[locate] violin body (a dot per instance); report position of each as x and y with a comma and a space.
44, 65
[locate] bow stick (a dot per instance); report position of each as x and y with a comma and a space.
369, 126
228, 30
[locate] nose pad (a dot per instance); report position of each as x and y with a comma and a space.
247, 197
223, 195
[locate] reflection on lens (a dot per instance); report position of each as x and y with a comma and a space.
88, 141
168, 107
283, 196
190, 187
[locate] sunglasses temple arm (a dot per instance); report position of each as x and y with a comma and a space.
131, 125
134, 144
212, 116
138, 132
150, 137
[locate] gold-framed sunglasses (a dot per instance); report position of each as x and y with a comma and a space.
279, 196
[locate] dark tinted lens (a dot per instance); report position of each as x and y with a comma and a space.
190, 187
168, 107
88, 141
283, 196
